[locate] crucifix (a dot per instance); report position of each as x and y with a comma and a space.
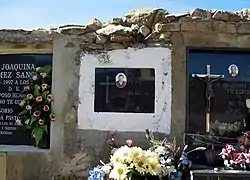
107, 83
208, 79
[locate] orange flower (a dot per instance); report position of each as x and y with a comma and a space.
52, 117
40, 121
44, 86
46, 108
30, 96
26, 87
28, 107
36, 113
49, 97
39, 99
22, 103
44, 75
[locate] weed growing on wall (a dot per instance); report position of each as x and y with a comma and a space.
36, 113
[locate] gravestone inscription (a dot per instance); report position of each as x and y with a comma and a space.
14, 72
124, 90
228, 105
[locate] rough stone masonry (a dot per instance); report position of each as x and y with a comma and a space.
73, 150
144, 26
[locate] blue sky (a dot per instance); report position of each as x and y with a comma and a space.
29, 14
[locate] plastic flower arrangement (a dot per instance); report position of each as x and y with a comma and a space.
36, 113
238, 157
161, 161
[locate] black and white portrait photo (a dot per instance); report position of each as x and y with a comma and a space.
233, 70
120, 80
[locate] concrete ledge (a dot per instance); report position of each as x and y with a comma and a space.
15, 148
62, 177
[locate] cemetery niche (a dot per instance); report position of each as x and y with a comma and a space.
15, 72
124, 90
217, 101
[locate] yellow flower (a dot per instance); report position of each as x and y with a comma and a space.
135, 152
139, 164
153, 166
119, 172
151, 154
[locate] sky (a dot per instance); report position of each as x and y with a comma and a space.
31, 14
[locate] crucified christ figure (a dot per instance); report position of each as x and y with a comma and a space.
208, 79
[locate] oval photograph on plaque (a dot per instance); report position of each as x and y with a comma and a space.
233, 70
120, 80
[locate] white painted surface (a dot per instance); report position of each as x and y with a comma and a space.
157, 58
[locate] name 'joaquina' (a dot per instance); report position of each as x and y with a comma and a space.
18, 67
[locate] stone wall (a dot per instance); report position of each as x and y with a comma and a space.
81, 149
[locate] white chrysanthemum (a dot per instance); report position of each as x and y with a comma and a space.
119, 172
123, 154
160, 150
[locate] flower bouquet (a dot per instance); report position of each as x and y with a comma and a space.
36, 113
163, 160
238, 157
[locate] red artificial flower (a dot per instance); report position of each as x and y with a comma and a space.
52, 117
40, 121
49, 97
39, 99
36, 113
247, 134
46, 108
111, 142
22, 103
28, 107
44, 75
44, 86
26, 87
30, 96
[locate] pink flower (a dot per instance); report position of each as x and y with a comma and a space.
112, 132
247, 134
129, 142
111, 142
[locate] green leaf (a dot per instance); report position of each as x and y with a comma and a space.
47, 69
27, 121
23, 112
32, 120
44, 94
36, 91
38, 132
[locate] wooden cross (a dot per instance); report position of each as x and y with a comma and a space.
208, 79
107, 83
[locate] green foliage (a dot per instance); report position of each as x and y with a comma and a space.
36, 111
